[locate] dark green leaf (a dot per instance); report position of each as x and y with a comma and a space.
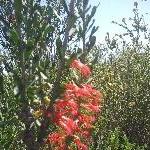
47, 30
94, 29
18, 8
14, 37
65, 6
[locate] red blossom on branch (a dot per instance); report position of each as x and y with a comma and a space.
58, 140
68, 125
80, 145
82, 68
75, 113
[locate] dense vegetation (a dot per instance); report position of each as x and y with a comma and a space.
38, 43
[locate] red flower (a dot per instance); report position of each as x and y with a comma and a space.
71, 90
56, 138
85, 134
69, 125
71, 86
70, 113
82, 68
83, 93
86, 118
66, 106
80, 145
92, 108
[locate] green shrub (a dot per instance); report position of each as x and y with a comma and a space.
122, 74
114, 140
125, 84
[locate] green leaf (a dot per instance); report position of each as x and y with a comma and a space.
94, 29
71, 21
91, 42
87, 9
75, 75
91, 25
80, 32
60, 50
59, 43
14, 37
89, 17
65, 6
1, 83
47, 30
18, 8
30, 43
93, 11
85, 3
16, 90
56, 14
38, 123
30, 47
43, 75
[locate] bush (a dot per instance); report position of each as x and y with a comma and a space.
124, 79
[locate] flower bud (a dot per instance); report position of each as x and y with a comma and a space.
37, 113
46, 100
36, 101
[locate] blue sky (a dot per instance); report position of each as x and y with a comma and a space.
116, 10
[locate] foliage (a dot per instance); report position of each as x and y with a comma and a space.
39, 41
124, 79
36, 42
115, 140
10, 125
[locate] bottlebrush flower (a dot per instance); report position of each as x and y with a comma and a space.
57, 141
82, 68
38, 113
86, 118
71, 86
56, 138
92, 108
86, 134
73, 91
80, 145
75, 112
66, 106
68, 124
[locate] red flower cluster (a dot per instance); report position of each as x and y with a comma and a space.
74, 115
82, 68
